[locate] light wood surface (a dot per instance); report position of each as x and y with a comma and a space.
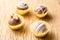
8, 6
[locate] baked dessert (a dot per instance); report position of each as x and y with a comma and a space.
41, 11
40, 28
22, 8
15, 21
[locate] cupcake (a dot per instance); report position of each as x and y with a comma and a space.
22, 8
41, 11
40, 28
15, 21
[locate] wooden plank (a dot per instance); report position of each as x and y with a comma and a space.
8, 6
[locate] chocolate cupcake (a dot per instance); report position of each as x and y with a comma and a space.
41, 11
15, 21
22, 8
40, 28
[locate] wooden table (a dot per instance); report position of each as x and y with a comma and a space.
53, 18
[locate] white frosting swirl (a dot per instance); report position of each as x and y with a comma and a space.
40, 28
22, 5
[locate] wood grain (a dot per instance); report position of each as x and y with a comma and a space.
53, 18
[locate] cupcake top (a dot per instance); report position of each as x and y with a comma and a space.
14, 20
22, 6
41, 9
40, 28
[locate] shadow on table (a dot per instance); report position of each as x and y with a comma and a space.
49, 36
48, 17
20, 31
27, 15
